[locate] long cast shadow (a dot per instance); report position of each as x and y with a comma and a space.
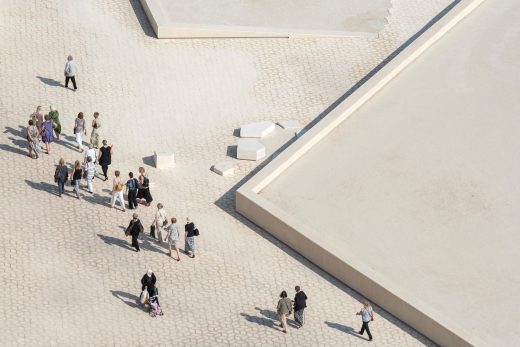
50, 82
129, 299
142, 18
344, 328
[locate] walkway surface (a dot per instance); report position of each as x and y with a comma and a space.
67, 272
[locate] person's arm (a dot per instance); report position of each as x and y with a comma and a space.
111, 146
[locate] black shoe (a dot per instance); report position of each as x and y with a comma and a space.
359, 332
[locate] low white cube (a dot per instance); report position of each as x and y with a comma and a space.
250, 149
290, 124
259, 129
224, 168
164, 159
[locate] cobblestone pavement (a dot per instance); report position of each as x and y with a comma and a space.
69, 277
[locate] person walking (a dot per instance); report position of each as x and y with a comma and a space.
117, 191
148, 282
54, 115
60, 176
90, 170
105, 157
189, 238
300, 303
75, 176
95, 135
134, 229
80, 129
70, 72
37, 118
367, 315
131, 191
47, 133
283, 309
143, 194
90, 152
173, 237
33, 140
159, 221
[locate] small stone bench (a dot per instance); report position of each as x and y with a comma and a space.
164, 159
259, 129
224, 168
250, 149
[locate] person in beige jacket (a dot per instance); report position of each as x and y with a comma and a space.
283, 310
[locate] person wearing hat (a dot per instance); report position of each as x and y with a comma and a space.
70, 72
134, 229
148, 282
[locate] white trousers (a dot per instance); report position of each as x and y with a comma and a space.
89, 185
118, 196
79, 139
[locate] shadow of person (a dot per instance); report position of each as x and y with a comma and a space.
345, 329
46, 187
12, 149
129, 299
114, 241
50, 81
16, 132
259, 320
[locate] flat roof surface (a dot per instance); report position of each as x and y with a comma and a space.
311, 15
422, 182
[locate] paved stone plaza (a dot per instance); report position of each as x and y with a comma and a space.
69, 276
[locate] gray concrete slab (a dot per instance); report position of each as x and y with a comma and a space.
239, 18
421, 183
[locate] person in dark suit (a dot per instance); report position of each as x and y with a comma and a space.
135, 228
300, 303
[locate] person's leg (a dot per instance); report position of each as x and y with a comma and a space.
105, 171
60, 188
298, 317
76, 188
368, 330
131, 199
283, 320
362, 331
79, 140
159, 233
67, 78
177, 251
169, 247
113, 200
89, 186
121, 200
73, 79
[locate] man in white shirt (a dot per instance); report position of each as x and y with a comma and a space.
70, 72
366, 316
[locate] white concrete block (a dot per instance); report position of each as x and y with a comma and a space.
164, 159
224, 168
250, 149
259, 129
290, 124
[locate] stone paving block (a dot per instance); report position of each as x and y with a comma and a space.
250, 149
258, 129
224, 168
164, 159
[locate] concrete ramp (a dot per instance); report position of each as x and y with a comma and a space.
266, 18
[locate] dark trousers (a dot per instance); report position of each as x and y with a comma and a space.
73, 79
132, 198
365, 327
104, 167
135, 243
61, 186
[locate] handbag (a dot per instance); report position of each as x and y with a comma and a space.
152, 230
196, 232
144, 297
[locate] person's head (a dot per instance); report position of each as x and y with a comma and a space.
38, 109
117, 173
69, 58
141, 170
366, 303
135, 216
77, 164
46, 117
31, 122
80, 115
62, 161
149, 272
105, 142
89, 159
188, 220
131, 174
297, 289
173, 220
96, 114
283, 294
159, 206
52, 108
90, 146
